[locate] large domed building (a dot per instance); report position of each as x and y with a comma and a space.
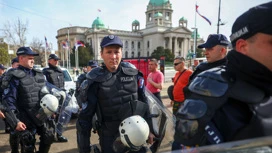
138, 42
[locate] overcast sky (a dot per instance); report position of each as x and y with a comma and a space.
47, 16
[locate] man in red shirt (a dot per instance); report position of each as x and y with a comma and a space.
155, 78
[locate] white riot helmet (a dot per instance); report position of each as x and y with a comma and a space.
49, 104
134, 132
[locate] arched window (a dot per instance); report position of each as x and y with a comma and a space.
126, 55
147, 53
147, 44
126, 44
132, 55
139, 45
132, 44
139, 54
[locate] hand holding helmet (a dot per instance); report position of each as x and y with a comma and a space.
134, 132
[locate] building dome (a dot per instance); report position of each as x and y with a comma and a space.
135, 22
158, 2
158, 14
182, 19
98, 23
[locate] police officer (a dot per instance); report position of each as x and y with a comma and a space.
233, 102
215, 52
91, 64
21, 98
13, 137
110, 91
54, 75
2, 116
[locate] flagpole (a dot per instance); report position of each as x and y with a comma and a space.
195, 28
218, 17
45, 54
68, 50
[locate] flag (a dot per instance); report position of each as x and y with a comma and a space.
202, 15
46, 44
79, 43
98, 10
64, 45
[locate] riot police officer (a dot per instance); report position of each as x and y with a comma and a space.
91, 64
233, 102
2, 116
215, 52
54, 75
21, 97
114, 92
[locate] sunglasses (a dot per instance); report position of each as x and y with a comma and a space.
175, 64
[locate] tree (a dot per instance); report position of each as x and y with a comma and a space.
199, 53
15, 32
36, 45
160, 51
84, 55
4, 54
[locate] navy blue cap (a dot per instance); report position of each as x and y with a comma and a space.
92, 63
15, 60
255, 20
111, 40
26, 51
2, 67
53, 56
215, 39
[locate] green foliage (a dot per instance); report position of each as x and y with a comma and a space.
4, 54
199, 53
84, 55
160, 51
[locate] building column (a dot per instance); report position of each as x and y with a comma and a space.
177, 46
170, 44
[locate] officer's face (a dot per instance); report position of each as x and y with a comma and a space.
15, 65
214, 54
2, 71
53, 62
259, 48
112, 56
27, 61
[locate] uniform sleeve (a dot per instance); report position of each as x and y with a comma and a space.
10, 94
88, 108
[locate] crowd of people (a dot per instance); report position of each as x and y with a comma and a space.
225, 99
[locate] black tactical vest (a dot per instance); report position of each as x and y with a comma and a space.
116, 94
56, 77
28, 90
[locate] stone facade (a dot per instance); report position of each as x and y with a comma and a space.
137, 42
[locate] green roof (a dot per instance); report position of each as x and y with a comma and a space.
182, 19
193, 35
158, 2
98, 23
135, 22
158, 14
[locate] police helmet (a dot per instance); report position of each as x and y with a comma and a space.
134, 132
49, 104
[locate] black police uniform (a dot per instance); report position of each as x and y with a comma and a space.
54, 75
113, 97
21, 95
80, 79
226, 104
205, 66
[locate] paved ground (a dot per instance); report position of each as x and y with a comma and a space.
70, 133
